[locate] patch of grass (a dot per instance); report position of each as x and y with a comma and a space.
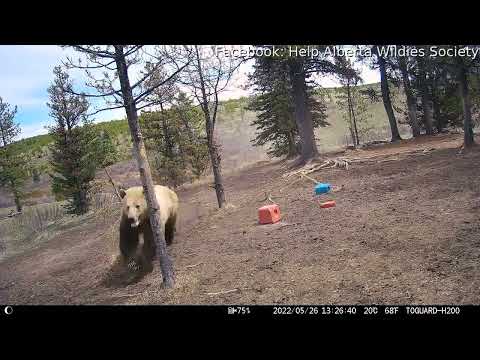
37, 193
40, 223
21, 231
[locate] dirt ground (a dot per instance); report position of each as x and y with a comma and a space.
406, 229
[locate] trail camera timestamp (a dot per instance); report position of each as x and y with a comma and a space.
314, 310
366, 311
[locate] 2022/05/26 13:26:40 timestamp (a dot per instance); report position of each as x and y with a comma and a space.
314, 310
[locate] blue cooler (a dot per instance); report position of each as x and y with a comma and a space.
322, 188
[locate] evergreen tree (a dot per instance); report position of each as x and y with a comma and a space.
103, 150
386, 94
12, 163
445, 88
194, 143
175, 141
423, 69
275, 108
73, 158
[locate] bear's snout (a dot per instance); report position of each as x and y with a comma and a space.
134, 222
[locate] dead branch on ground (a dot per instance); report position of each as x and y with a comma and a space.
223, 292
192, 266
113, 184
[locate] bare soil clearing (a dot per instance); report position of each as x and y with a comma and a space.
405, 229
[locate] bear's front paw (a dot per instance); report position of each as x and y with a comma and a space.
133, 266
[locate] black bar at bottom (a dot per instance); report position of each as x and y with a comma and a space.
267, 312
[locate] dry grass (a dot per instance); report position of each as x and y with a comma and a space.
33, 225
37, 193
40, 223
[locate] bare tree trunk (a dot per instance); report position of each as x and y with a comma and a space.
217, 173
166, 265
437, 115
425, 98
411, 101
427, 113
82, 201
18, 204
350, 124
303, 117
16, 197
212, 146
387, 103
292, 148
436, 106
355, 127
468, 140
352, 107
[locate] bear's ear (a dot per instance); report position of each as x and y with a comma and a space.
122, 193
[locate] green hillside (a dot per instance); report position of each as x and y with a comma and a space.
234, 121
33, 144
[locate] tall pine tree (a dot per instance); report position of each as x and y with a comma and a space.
12, 163
275, 107
73, 157
175, 141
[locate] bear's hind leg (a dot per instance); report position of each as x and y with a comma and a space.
170, 226
148, 246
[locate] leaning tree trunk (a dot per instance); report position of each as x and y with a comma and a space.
387, 103
212, 145
303, 117
355, 126
166, 265
467, 113
411, 101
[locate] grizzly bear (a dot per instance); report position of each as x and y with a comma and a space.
135, 225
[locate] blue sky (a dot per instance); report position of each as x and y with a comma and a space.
27, 71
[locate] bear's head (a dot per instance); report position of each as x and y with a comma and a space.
134, 206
